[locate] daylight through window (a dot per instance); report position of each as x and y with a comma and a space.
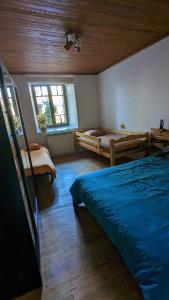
11, 98
50, 100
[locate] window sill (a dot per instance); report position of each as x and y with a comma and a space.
57, 130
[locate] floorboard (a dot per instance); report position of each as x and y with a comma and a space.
77, 259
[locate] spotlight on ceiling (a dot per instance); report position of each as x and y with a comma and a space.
72, 39
68, 45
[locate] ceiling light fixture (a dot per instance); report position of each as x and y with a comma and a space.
72, 39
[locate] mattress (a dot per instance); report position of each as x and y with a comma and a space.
131, 203
41, 162
105, 139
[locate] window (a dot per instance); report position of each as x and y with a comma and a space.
11, 98
12, 101
50, 100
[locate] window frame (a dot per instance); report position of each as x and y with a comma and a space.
48, 85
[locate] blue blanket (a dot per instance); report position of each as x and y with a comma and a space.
131, 203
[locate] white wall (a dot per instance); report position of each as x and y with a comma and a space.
86, 101
136, 91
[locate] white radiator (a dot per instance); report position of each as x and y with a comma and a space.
60, 143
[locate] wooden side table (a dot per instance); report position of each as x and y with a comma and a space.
158, 139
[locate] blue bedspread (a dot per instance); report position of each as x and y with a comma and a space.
131, 203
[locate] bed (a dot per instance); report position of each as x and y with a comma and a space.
158, 139
131, 203
41, 162
113, 144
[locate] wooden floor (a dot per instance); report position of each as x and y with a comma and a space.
77, 259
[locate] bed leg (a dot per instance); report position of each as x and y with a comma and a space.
147, 145
112, 154
75, 142
112, 161
147, 150
52, 178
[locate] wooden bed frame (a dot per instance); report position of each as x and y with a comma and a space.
159, 138
38, 168
138, 144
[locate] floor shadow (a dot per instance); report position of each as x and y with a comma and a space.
47, 192
105, 259
33, 295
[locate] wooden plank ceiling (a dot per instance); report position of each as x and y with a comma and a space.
32, 33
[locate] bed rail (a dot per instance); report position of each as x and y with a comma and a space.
90, 142
158, 139
133, 143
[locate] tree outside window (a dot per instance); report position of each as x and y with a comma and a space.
50, 101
